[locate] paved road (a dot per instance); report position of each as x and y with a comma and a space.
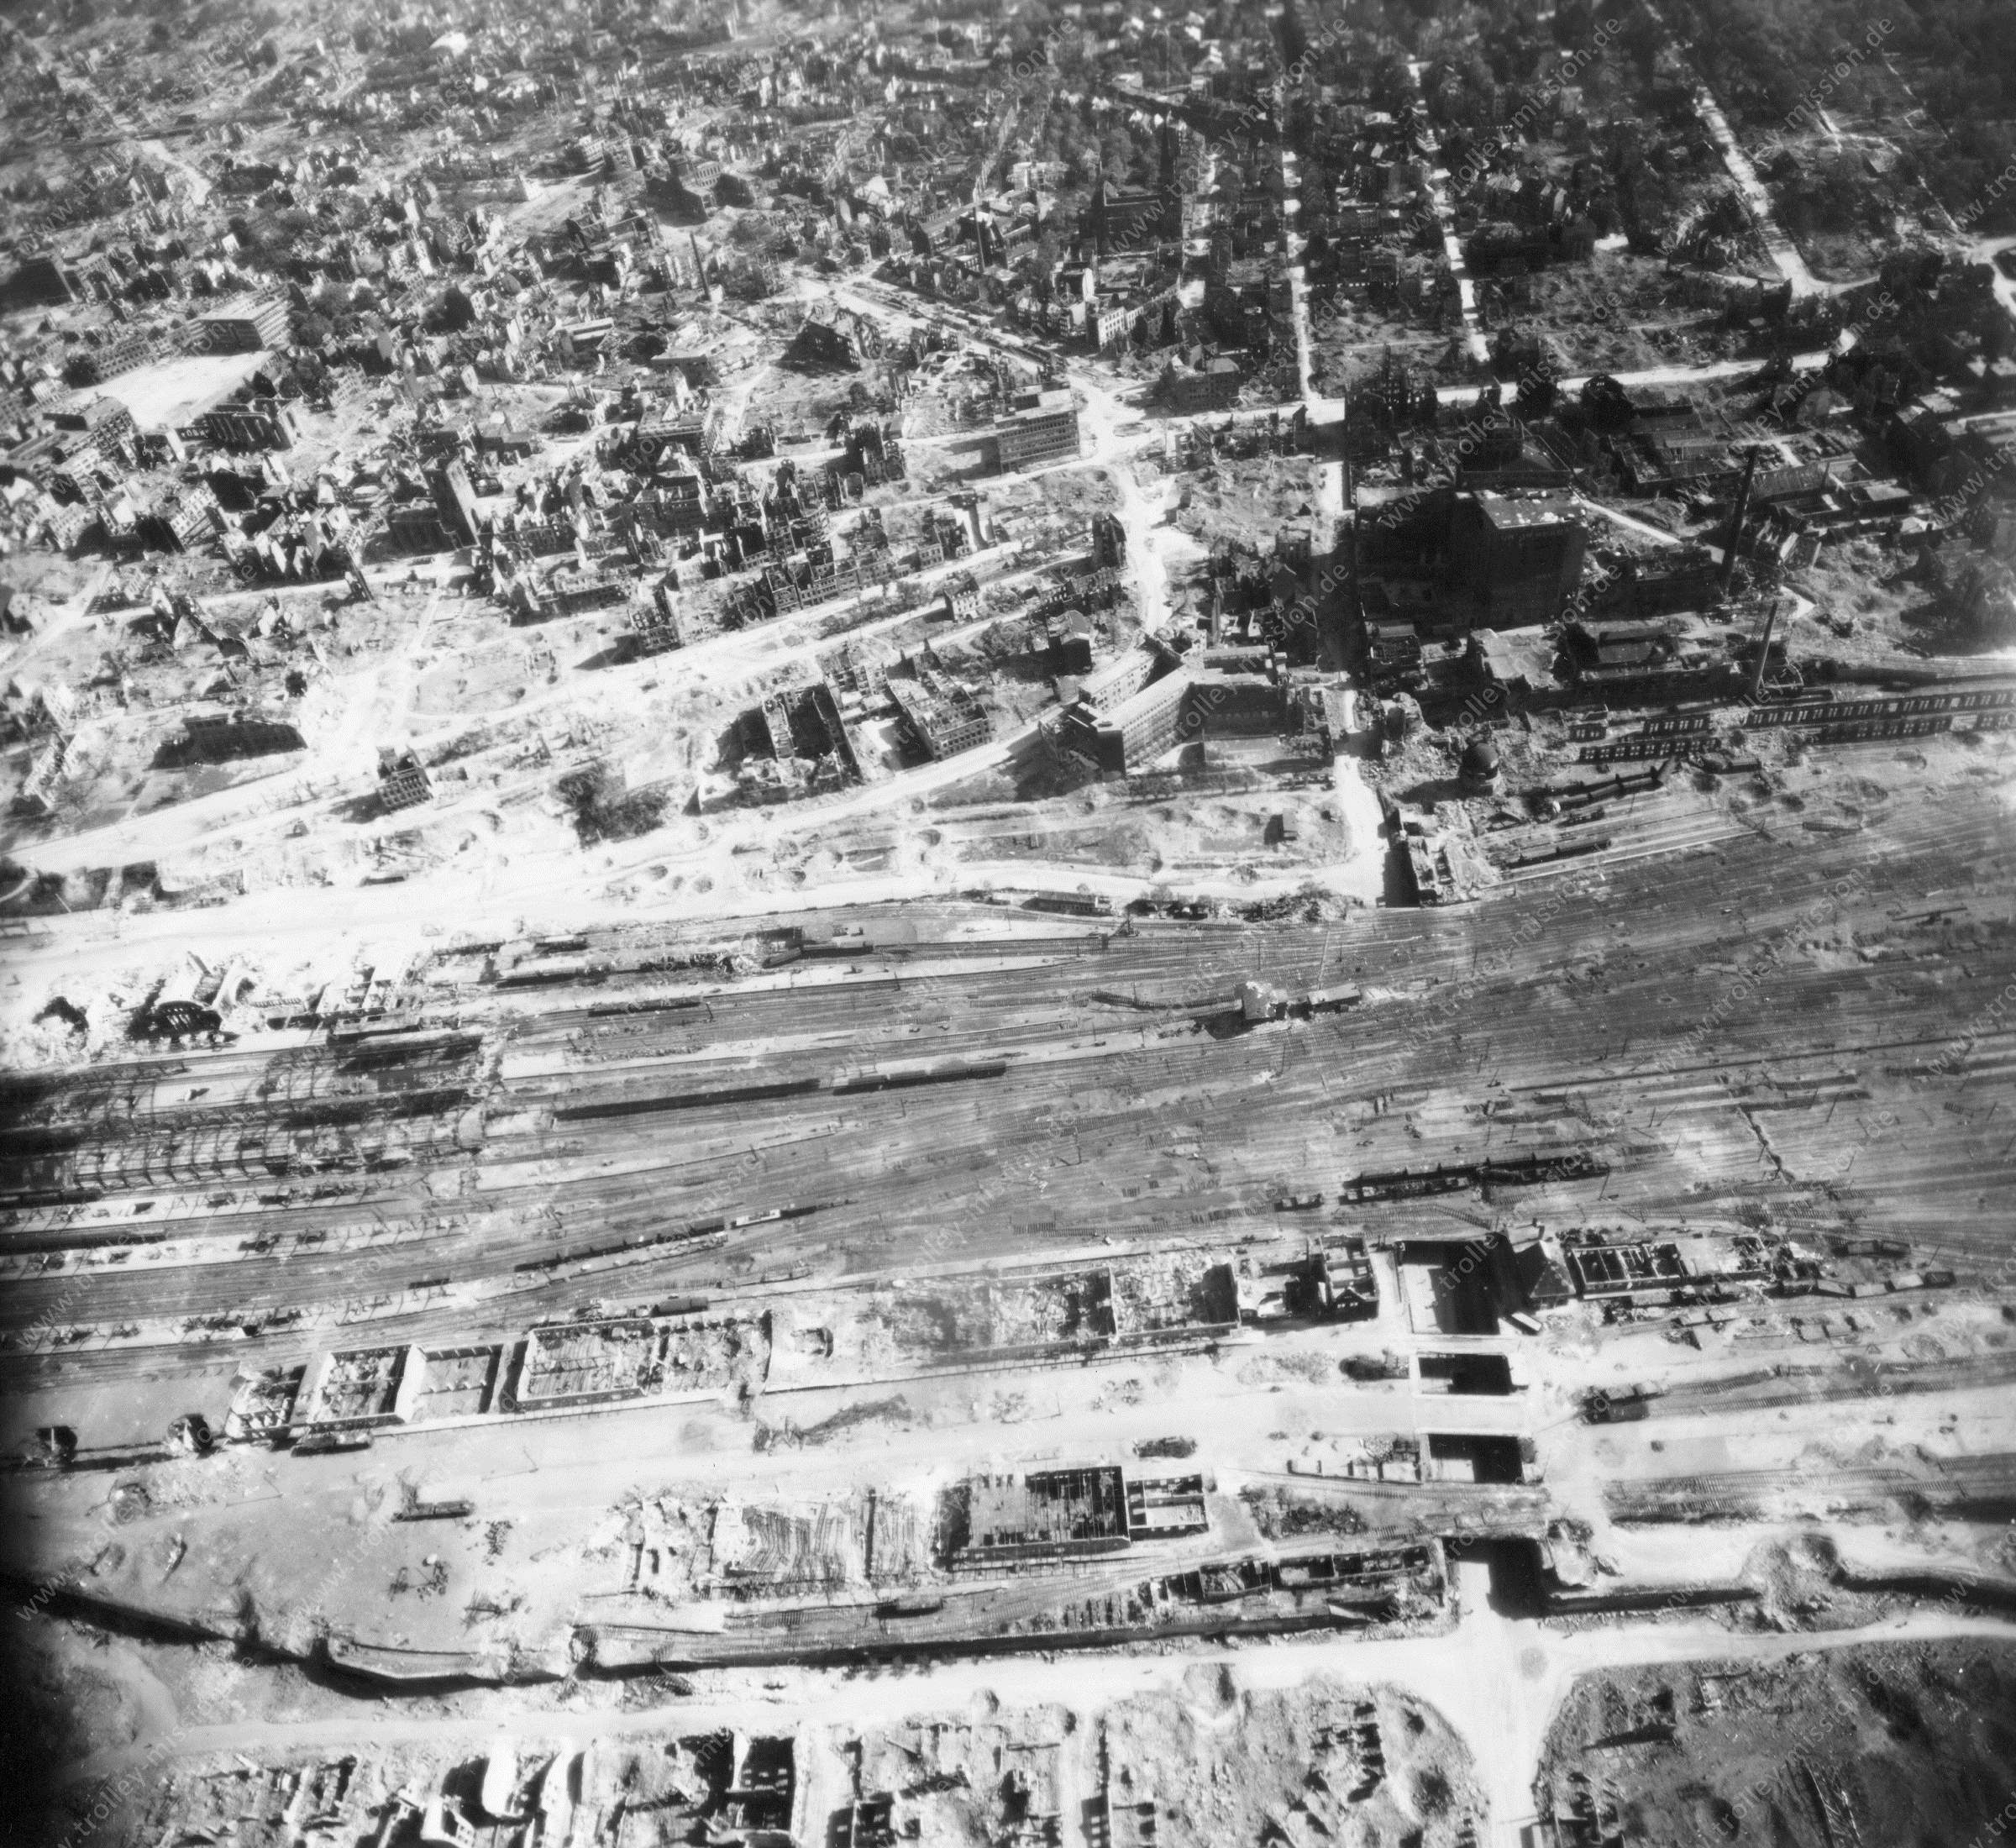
1714, 371
1477, 346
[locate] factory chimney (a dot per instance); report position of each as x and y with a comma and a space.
1771, 622
1735, 522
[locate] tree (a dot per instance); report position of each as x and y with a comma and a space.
1641, 42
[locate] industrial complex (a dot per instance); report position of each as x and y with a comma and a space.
1014, 924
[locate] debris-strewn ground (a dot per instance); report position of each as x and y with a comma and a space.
1205, 1762
1908, 1744
1323, 1761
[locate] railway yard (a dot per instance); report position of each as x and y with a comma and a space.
656, 1300
901, 941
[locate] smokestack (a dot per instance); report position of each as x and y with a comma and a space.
1771, 622
1349, 536
1736, 524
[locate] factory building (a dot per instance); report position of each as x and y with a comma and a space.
39, 282
246, 329
1521, 560
1134, 731
224, 737
360, 1388
1122, 724
1043, 433
1240, 692
944, 717
1059, 1513
403, 782
1106, 686
456, 499
1213, 386
265, 424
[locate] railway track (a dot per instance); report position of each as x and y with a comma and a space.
263, 1178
